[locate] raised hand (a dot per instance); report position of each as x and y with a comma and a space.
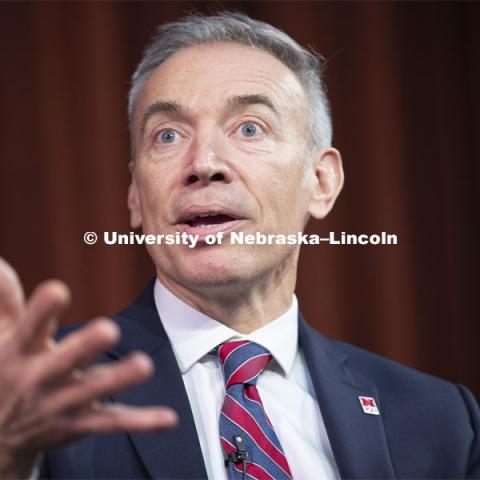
48, 392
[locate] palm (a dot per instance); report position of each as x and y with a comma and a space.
47, 395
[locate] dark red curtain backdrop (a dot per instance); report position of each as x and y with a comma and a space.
404, 82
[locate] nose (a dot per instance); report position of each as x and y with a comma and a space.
207, 165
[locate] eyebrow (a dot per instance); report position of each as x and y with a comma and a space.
165, 106
256, 99
160, 107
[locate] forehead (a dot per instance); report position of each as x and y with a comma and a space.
202, 77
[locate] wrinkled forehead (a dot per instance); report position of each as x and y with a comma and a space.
204, 78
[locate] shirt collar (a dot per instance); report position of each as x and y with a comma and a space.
193, 334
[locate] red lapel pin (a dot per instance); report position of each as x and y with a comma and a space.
369, 406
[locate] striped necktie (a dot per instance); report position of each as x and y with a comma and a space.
247, 436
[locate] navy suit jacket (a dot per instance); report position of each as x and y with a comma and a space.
427, 427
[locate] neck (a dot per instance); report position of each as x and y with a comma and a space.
243, 306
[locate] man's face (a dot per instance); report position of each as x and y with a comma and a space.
221, 135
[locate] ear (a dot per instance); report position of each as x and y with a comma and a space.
328, 182
133, 200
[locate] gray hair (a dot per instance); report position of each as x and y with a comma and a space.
239, 28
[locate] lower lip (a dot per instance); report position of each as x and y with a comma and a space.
202, 232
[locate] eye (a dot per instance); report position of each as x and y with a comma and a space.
250, 129
167, 136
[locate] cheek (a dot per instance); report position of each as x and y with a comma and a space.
283, 185
280, 207
153, 197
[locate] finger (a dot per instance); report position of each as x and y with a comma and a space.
46, 305
77, 350
119, 418
99, 382
105, 418
12, 299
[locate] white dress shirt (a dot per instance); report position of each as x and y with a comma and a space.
285, 386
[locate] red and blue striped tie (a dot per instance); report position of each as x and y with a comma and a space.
247, 436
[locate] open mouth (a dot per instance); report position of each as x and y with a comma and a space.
208, 220
204, 221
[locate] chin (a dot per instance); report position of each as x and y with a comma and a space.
208, 267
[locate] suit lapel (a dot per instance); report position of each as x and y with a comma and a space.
358, 440
174, 453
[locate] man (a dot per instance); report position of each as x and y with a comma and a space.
230, 133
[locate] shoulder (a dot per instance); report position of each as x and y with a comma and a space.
405, 389
393, 377
396, 384
389, 376
420, 412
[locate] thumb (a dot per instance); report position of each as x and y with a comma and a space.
12, 298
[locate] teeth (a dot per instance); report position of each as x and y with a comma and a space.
204, 215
